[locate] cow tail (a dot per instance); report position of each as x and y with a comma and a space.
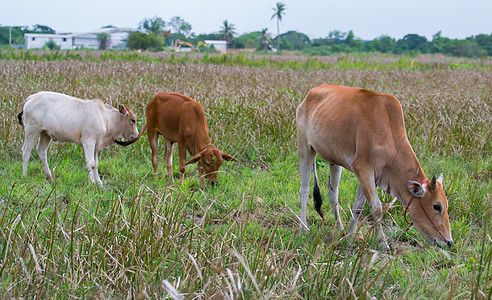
316, 193
19, 118
126, 143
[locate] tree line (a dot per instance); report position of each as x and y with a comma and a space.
156, 34
335, 42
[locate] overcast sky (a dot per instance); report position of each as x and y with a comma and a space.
367, 18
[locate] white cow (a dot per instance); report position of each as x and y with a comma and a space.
89, 123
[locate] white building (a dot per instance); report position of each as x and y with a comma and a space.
220, 46
38, 40
117, 39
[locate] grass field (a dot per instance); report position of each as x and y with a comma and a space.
142, 236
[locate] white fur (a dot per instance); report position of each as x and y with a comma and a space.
89, 123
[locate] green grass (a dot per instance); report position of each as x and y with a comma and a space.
145, 236
335, 62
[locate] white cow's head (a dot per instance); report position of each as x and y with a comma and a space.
126, 124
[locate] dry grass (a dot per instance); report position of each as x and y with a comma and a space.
450, 108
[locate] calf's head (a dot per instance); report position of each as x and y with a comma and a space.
127, 124
209, 161
429, 211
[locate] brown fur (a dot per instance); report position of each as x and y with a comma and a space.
364, 132
180, 119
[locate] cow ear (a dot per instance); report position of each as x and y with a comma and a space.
122, 110
439, 179
194, 159
433, 184
227, 157
415, 188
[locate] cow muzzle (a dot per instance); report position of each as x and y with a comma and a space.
442, 243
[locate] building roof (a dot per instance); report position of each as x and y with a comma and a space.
77, 34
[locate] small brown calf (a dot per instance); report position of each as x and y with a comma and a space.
180, 119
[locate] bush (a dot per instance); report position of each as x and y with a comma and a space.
51, 45
142, 41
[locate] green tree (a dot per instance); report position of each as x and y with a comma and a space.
104, 40
296, 40
412, 43
153, 25
383, 44
43, 29
227, 31
247, 40
207, 36
485, 42
279, 13
350, 39
14, 34
142, 41
439, 43
465, 48
336, 37
180, 26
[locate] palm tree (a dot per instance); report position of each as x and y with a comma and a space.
264, 39
279, 12
227, 31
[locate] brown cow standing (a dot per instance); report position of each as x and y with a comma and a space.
180, 119
364, 132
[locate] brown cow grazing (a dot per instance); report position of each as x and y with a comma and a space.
180, 119
364, 132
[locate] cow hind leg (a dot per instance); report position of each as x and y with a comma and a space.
29, 141
333, 182
42, 148
168, 158
306, 160
153, 141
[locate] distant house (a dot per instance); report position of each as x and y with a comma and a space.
220, 46
88, 40
38, 40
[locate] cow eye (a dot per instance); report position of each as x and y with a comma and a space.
437, 207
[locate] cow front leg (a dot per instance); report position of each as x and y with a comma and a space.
42, 148
89, 150
182, 160
96, 169
202, 175
29, 141
168, 158
333, 182
368, 186
359, 202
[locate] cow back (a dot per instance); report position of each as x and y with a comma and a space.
175, 116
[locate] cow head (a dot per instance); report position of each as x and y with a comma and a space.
429, 211
209, 161
127, 125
